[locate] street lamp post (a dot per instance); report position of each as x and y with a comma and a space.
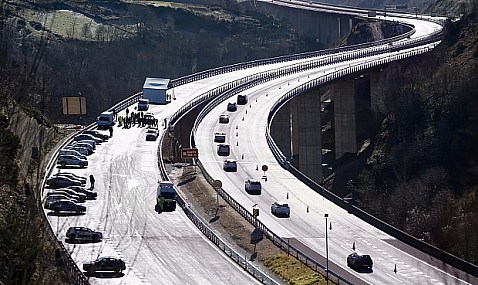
326, 250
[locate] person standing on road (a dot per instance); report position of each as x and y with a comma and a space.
111, 131
92, 181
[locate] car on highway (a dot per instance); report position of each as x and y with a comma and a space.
223, 119
71, 160
152, 134
232, 106
223, 149
95, 133
90, 195
62, 182
219, 137
252, 186
230, 165
359, 261
105, 263
67, 206
70, 175
83, 234
241, 99
280, 209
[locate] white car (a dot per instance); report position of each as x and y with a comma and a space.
280, 209
219, 137
80, 149
66, 160
152, 134
230, 165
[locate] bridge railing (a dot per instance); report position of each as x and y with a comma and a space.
400, 235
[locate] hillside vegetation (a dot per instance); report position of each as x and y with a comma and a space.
422, 174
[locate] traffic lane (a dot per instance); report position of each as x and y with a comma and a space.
126, 180
386, 276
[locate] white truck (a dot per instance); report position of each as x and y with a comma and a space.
105, 120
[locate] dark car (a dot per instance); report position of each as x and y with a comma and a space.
62, 182
358, 261
224, 119
83, 234
105, 264
95, 133
241, 99
232, 106
90, 195
67, 206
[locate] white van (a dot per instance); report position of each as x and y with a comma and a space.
143, 104
71, 152
105, 120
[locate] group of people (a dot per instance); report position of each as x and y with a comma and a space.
138, 118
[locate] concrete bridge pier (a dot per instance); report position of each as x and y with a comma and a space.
377, 94
344, 117
306, 148
281, 130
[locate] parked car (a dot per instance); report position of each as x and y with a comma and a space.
358, 261
62, 182
224, 119
66, 151
90, 147
220, 137
95, 133
223, 149
87, 137
67, 160
53, 198
105, 263
82, 150
241, 99
152, 134
73, 195
83, 234
280, 209
90, 195
67, 206
232, 106
253, 186
230, 165
71, 175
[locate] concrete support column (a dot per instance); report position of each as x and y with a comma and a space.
344, 117
377, 93
281, 130
306, 141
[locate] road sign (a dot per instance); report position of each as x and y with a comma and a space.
217, 184
189, 153
255, 212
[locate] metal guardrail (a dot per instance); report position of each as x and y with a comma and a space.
77, 275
